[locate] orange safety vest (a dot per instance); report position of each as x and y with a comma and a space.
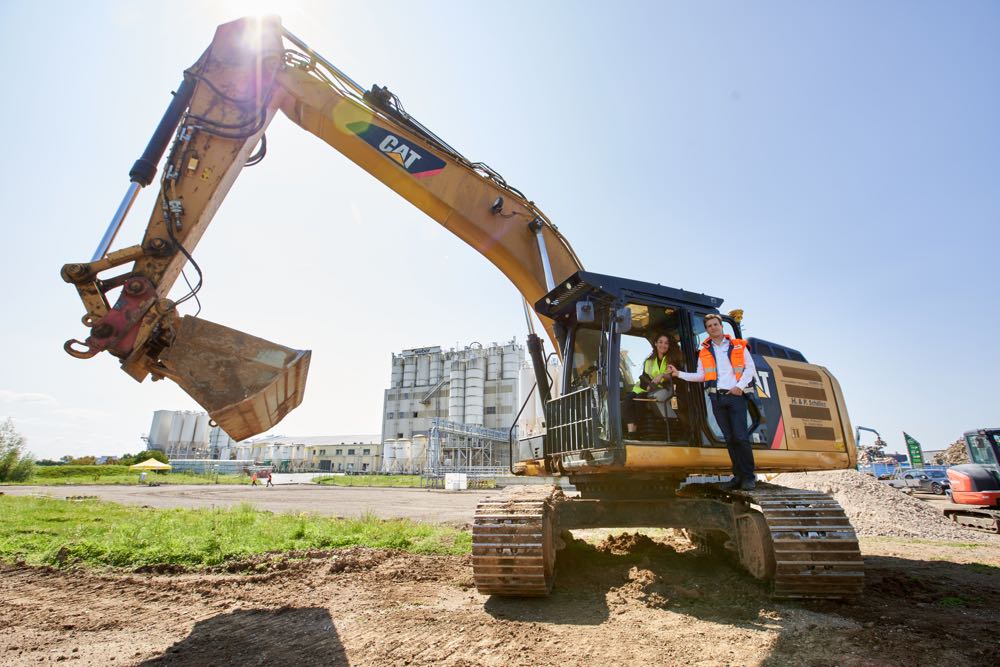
737, 349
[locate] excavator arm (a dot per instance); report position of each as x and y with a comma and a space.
252, 69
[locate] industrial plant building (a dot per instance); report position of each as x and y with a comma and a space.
451, 409
183, 434
327, 453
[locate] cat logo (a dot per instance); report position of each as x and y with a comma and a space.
417, 163
762, 387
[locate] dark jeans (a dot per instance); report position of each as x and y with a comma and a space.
731, 413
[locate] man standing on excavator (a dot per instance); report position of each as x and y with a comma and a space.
727, 369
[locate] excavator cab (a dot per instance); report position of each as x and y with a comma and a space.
607, 328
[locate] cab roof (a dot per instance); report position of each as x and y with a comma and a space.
597, 287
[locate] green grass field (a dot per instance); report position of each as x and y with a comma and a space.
44, 531
111, 474
370, 480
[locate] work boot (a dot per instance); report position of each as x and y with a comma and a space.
748, 485
734, 483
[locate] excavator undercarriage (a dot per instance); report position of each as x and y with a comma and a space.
799, 543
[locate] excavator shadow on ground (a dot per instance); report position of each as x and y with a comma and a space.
286, 636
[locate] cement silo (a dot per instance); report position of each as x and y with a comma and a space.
512, 358
389, 456
174, 437
397, 372
201, 431
456, 392
493, 363
423, 369
403, 455
159, 431
474, 377
418, 453
409, 368
437, 362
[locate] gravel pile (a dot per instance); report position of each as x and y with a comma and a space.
877, 509
954, 455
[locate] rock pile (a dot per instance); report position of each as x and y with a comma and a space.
954, 455
877, 509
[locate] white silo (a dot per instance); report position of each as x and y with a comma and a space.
190, 423
174, 437
529, 422
474, 390
423, 369
418, 453
389, 456
493, 362
409, 368
397, 371
437, 361
159, 431
404, 464
456, 392
512, 358
201, 431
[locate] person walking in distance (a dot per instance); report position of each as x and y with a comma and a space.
727, 369
270, 479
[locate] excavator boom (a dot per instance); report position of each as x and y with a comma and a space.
253, 69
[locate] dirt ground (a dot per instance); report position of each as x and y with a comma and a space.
620, 599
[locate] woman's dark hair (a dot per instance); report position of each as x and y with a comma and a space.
670, 343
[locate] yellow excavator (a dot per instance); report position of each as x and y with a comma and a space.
799, 542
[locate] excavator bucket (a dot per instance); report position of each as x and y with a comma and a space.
247, 384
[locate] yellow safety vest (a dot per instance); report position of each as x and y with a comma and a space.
652, 368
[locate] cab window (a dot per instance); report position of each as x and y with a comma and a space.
587, 347
980, 450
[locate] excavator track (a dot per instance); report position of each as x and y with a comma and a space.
802, 541
513, 545
976, 518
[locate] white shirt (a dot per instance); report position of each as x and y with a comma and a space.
726, 375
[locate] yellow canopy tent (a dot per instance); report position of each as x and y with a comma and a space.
151, 464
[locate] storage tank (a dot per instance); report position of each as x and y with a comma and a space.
389, 456
418, 453
474, 390
403, 462
493, 363
397, 371
174, 437
529, 422
456, 392
409, 369
201, 430
423, 369
159, 430
436, 363
512, 358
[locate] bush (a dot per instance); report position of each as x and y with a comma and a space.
57, 472
15, 464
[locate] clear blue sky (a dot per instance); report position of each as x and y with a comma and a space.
841, 159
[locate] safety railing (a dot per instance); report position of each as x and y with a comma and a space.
571, 422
